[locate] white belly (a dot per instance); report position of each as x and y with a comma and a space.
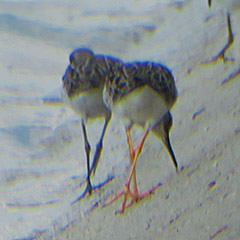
88, 104
143, 107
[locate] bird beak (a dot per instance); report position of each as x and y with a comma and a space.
209, 3
170, 150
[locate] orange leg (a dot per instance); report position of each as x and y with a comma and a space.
126, 190
135, 157
132, 155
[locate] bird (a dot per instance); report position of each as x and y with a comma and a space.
161, 130
83, 84
141, 93
229, 5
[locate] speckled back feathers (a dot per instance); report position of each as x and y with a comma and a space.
130, 76
87, 71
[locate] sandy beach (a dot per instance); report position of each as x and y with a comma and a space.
43, 165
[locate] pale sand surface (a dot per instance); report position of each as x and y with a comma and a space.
200, 202
42, 154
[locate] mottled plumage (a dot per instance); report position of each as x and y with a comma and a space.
141, 93
134, 78
81, 75
83, 84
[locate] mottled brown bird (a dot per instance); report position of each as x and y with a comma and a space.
141, 93
83, 84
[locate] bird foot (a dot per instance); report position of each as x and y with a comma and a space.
126, 192
221, 56
94, 188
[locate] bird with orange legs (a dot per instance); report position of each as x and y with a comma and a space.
141, 94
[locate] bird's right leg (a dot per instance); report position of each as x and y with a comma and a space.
87, 150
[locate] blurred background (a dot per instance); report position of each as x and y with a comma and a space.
42, 158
